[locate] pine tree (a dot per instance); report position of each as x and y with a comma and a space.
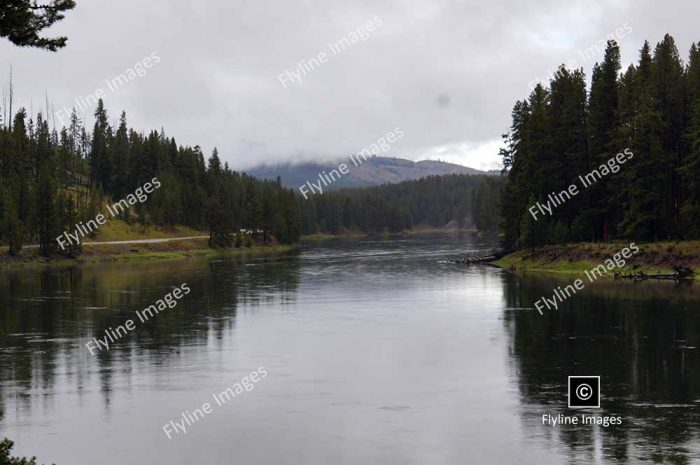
570, 145
48, 220
646, 173
120, 180
13, 228
220, 234
99, 153
21, 21
690, 170
602, 137
667, 82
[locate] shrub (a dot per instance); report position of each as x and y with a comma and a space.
5, 459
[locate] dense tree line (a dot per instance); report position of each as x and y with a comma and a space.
470, 200
50, 180
564, 131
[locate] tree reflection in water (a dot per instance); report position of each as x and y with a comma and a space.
641, 338
47, 316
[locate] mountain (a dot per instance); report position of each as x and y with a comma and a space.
371, 172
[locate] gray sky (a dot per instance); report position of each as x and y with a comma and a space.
446, 72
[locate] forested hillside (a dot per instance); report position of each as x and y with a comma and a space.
373, 171
470, 200
54, 179
561, 132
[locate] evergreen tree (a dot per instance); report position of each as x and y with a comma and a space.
570, 145
220, 234
120, 181
646, 174
49, 183
650, 111
48, 221
21, 21
432, 201
99, 152
667, 83
12, 229
690, 170
602, 141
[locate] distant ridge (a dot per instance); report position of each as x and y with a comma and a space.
372, 172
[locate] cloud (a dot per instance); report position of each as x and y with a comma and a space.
477, 155
446, 71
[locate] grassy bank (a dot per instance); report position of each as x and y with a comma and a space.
652, 258
450, 228
137, 252
117, 230
93, 252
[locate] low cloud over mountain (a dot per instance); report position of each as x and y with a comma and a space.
372, 172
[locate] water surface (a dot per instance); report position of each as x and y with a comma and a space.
375, 352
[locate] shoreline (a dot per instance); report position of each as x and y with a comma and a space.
574, 259
353, 235
174, 249
123, 244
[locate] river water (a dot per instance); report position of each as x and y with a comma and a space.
374, 352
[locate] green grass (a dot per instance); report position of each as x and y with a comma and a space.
203, 252
574, 259
119, 230
138, 253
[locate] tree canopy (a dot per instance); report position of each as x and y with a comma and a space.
469, 200
22, 21
564, 131
52, 179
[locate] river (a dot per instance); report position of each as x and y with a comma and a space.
374, 352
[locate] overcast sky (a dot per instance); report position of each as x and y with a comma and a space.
446, 72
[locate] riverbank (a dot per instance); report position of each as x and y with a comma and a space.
149, 245
417, 230
328, 236
653, 258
